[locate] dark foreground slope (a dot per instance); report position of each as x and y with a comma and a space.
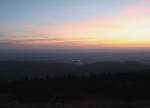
122, 89
128, 86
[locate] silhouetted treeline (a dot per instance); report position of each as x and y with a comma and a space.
19, 70
129, 86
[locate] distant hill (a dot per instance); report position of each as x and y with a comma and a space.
41, 69
32, 69
111, 67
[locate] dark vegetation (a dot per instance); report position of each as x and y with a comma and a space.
19, 70
120, 81
122, 86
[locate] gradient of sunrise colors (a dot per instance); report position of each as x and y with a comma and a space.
75, 23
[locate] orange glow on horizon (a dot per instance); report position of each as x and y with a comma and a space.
128, 28
84, 43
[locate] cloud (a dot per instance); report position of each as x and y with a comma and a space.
140, 7
129, 27
100, 31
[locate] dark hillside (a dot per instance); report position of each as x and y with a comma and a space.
18, 70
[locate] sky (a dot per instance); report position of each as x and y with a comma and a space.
62, 24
